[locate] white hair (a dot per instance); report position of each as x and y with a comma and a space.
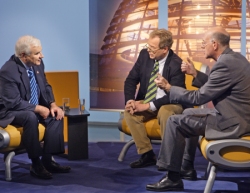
24, 44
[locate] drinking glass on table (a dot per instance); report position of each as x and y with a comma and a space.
66, 104
81, 104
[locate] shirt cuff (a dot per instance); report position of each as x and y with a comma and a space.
152, 106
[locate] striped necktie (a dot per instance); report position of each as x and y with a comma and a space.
152, 88
33, 87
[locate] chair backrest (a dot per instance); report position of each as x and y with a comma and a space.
65, 85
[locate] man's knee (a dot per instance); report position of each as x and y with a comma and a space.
174, 119
168, 110
31, 116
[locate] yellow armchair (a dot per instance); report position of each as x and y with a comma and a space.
10, 145
232, 154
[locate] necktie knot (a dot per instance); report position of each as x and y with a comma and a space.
30, 72
156, 67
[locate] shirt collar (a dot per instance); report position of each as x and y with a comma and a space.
163, 60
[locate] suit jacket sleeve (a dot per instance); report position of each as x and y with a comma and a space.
200, 79
218, 82
133, 79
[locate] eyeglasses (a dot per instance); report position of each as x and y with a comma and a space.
150, 49
204, 44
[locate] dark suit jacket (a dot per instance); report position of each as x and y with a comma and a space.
141, 72
15, 89
228, 87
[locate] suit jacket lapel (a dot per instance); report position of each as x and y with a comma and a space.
39, 79
24, 78
166, 67
150, 66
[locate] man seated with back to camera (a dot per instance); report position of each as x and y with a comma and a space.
151, 102
26, 99
227, 86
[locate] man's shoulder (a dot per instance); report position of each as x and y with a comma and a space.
143, 53
9, 65
175, 59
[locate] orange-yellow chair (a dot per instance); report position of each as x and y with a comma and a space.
233, 154
10, 145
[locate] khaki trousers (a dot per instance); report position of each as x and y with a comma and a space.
136, 124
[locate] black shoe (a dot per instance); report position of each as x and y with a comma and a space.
144, 161
166, 184
188, 174
39, 171
161, 169
54, 167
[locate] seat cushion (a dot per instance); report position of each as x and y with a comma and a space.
152, 128
16, 132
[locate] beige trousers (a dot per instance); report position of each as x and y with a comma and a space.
136, 124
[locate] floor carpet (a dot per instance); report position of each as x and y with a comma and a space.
103, 173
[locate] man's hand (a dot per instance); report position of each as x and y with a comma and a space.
188, 68
43, 111
162, 83
55, 110
140, 106
130, 106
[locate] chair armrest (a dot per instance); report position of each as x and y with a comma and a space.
4, 138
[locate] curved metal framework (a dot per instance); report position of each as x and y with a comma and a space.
188, 20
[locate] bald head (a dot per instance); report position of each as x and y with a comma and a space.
220, 35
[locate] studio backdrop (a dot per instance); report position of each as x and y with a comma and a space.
119, 29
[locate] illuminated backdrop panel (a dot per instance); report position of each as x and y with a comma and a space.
128, 30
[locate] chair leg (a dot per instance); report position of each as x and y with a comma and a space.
8, 160
125, 149
208, 170
210, 180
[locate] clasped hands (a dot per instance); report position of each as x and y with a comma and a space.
133, 106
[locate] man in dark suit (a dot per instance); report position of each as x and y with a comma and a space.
151, 102
227, 86
26, 99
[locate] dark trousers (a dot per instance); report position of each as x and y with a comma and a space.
181, 137
53, 137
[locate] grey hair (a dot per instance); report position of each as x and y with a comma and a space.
24, 44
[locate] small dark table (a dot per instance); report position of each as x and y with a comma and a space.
77, 134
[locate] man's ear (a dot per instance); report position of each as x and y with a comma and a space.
166, 49
215, 45
22, 55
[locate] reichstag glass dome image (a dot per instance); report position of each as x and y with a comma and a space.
188, 20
